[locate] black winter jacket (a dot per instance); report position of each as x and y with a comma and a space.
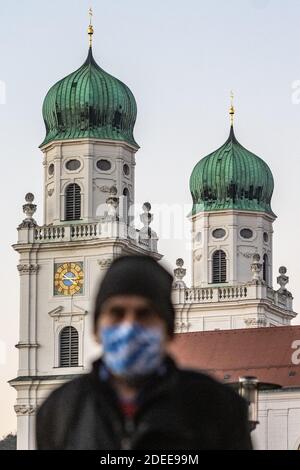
181, 410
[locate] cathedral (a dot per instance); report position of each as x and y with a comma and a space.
89, 189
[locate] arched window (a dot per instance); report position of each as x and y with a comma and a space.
68, 347
266, 269
219, 267
73, 202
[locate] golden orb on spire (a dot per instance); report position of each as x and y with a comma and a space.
232, 110
91, 27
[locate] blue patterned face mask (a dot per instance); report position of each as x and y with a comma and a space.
132, 350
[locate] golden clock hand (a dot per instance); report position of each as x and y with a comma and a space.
70, 278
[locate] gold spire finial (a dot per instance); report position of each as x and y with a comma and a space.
91, 28
232, 110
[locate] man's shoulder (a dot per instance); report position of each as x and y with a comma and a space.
69, 391
224, 411
55, 414
201, 385
198, 377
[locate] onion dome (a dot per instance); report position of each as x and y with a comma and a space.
232, 178
90, 103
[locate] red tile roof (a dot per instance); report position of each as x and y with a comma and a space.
265, 353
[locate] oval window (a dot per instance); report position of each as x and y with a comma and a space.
246, 233
266, 237
103, 165
73, 165
219, 233
51, 169
126, 169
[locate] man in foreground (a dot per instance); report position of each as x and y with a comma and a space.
135, 397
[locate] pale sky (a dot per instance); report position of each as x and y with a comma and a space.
181, 59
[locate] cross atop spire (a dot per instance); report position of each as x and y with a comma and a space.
232, 110
91, 27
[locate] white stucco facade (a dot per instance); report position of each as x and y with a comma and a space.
238, 249
94, 182
279, 420
245, 297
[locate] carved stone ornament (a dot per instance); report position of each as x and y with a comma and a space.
112, 203
179, 274
24, 410
103, 189
27, 224
28, 269
29, 210
182, 326
146, 218
256, 268
246, 254
282, 280
255, 322
132, 232
50, 192
105, 263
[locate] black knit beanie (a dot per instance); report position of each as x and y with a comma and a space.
141, 276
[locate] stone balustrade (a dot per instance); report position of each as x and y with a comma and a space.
217, 294
52, 233
104, 229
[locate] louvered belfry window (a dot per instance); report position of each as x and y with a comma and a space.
219, 267
73, 202
68, 347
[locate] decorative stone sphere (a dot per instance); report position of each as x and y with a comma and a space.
147, 207
113, 191
29, 198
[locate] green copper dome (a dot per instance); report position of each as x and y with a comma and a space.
89, 103
232, 178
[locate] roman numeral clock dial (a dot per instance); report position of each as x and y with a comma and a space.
68, 279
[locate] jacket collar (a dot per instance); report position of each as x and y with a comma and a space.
156, 384
168, 366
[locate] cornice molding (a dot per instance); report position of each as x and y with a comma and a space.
21, 345
59, 312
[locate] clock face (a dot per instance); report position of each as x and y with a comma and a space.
68, 279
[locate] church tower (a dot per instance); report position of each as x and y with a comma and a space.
232, 245
89, 145
231, 218
89, 175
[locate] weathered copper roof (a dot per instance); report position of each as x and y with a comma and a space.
266, 353
232, 177
89, 103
